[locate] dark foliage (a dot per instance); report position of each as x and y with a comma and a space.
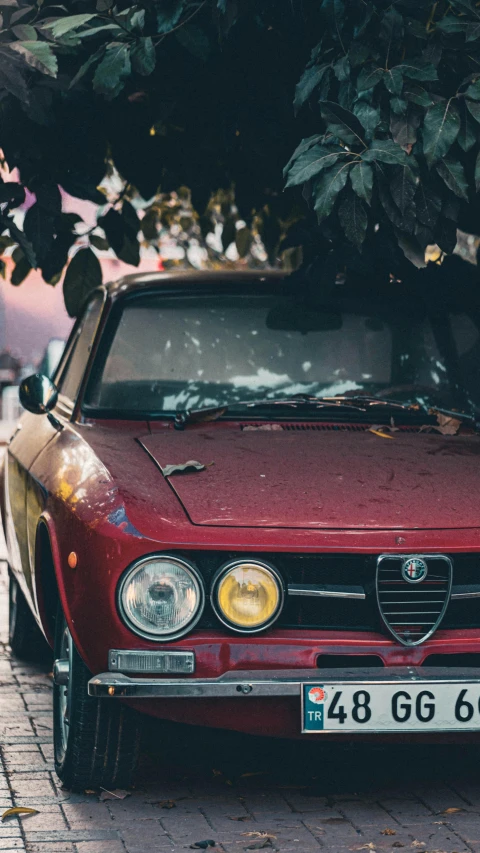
214, 95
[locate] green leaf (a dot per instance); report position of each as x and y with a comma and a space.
477, 173
308, 82
445, 235
341, 122
341, 69
398, 105
387, 151
368, 78
452, 172
402, 188
361, 178
368, 116
474, 109
38, 228
114, 227
143, 56
99, 242
304, 145
93, 31
353, 219
169, 14
393, 80
428, 205
418, 69
86, 66
109, 77
440, 130
327, 188
61, 26
418, 95
404, 127
25, 32
37, 54
312, 161
7, 223
22, 268
473, 91
466, 136
83, 275
194, 39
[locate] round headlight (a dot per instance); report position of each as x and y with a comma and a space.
247, 596
161, 598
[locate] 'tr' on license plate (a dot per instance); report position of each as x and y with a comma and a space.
390, 707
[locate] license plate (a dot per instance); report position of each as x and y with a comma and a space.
381, 707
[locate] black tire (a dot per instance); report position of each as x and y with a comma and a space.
25, 637
96, 741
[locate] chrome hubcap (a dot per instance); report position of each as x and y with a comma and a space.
62, 674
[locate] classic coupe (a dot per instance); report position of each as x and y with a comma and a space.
240, 503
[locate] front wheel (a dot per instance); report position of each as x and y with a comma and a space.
96, 741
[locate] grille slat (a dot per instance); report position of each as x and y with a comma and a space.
415, 592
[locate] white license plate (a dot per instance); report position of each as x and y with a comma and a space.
399, 707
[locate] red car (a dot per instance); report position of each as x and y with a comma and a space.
249, 506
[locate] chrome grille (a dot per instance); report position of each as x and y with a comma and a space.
412, 610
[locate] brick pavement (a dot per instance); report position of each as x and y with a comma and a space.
231, 789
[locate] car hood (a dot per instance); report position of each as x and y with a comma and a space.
315, 477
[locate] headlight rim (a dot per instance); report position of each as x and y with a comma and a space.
153, 558
232, 564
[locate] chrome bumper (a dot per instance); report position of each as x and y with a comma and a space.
262, 683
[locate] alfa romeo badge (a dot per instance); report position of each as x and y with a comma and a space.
414, 570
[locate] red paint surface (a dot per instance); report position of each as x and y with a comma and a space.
331, 480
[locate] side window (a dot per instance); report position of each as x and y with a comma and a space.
74, 369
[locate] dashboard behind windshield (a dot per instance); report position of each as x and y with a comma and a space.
166, 353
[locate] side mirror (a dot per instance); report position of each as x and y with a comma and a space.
38, 394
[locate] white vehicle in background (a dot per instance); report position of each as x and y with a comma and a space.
51, 357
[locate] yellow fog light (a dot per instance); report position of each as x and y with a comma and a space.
247, 596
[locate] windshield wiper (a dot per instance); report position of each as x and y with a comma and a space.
203, 415
369, 400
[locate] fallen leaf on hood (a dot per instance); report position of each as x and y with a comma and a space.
18, 810
202, 845
263, 428
446, 425
183, 468
380, 431
118, 794
389, 831
452, 810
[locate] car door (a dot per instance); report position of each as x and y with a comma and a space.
68, 380
24, 495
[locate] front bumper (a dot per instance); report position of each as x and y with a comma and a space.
267, 683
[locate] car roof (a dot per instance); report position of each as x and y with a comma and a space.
138, 281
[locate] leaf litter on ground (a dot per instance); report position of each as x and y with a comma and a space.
118, 794
17, 811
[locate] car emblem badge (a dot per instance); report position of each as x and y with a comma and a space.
414, 570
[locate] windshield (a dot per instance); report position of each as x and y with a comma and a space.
164, 353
